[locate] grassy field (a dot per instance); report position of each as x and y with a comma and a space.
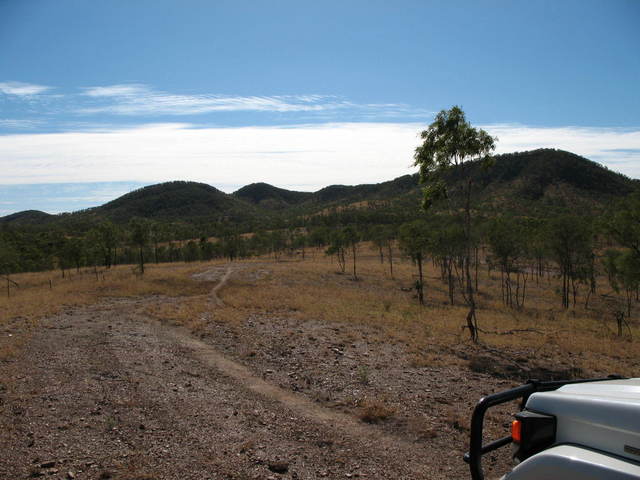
580, 340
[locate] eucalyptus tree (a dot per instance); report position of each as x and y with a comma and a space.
623, 272
139, 235
571, 244
447, 246
414, 241
103, 242
351, 238
451, 142
508, 249
337, 247
157, 234
624, 223
8, 263
377, 235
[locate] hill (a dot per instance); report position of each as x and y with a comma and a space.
545, 181
374, 191
537, 183
27, 217
173, 201
270, 197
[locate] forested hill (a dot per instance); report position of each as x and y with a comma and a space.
270, 197
543, 182
540, 182
173, 201
28, 217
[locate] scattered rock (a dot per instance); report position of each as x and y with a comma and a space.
49, 464
279, 467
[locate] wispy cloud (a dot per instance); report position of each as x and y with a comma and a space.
22, 89
19, 124
116, 90
139, 99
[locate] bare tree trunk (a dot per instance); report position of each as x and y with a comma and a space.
472, 321
353, 250
420, 286
390, 255
141, 261
450, 281
476, 261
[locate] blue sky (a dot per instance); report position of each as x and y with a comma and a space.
97, 98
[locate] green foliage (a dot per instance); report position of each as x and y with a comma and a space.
623, 223
414, 241
8, 259
623, 272
570, 241
139, 235
450, 141
270, 197
340, 240
507, 243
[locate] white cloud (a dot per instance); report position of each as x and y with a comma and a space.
305, 157
138, 99
116, 90
309, 156
22, 89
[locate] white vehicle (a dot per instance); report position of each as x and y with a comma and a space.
585, 429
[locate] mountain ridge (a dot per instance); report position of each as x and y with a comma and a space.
538, 179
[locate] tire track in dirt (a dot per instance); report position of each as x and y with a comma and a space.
301, 405
249, 380
214, 292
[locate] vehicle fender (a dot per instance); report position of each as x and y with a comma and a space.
568, 462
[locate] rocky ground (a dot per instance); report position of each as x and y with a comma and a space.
111, 392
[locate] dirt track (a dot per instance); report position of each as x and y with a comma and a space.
107, 392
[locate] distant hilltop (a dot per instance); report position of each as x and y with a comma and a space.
534, 183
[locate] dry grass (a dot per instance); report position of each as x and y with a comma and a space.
44, 294
374, 410
580, 339
457, 420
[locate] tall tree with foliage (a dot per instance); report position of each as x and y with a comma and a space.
352, 237
508, 248
447, 246
139, 231
624, 223
623, 273
451, 142
337, 247
414, 241
571, 244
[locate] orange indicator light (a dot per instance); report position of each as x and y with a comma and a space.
516, 431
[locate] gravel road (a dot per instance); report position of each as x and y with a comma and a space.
107, 392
